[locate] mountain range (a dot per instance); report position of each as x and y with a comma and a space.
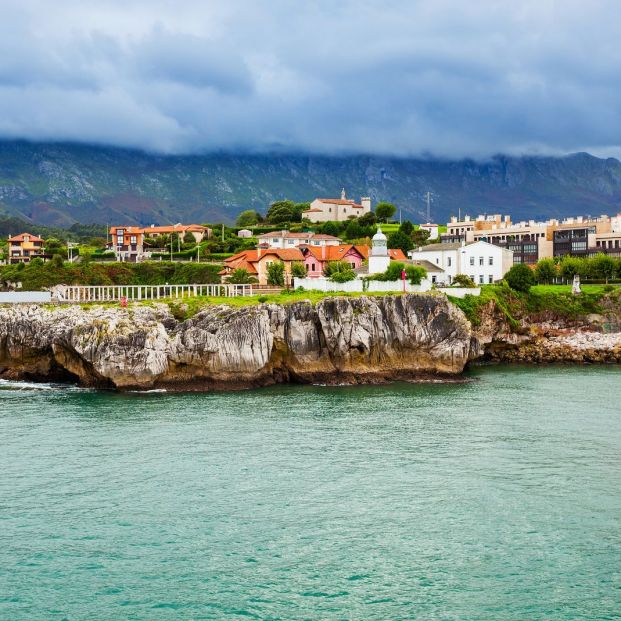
57, 184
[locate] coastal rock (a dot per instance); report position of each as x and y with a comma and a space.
363, 339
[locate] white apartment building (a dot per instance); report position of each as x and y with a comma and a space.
285, 239
484, 263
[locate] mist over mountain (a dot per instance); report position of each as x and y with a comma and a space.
59, 184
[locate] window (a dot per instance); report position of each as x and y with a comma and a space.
491, 280
517, 258
313, 266
353, 266
275, 240
471, 260
448, 261
491, 261
132, 239
437, 261
481, 261
481, 279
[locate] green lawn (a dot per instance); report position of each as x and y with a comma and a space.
591, 289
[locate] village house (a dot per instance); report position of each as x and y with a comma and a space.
285, 239
25, 247
128, 242
483, 262
257, 260
336, 209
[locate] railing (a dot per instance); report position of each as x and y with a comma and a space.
115, 293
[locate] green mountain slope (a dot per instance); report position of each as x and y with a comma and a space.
59, 184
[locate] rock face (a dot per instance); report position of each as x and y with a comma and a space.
549, 338
364, 339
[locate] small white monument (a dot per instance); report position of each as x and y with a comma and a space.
379, 260
575, 289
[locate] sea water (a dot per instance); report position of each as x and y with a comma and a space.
497, 499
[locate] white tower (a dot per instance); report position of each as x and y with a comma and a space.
343, 195
379, 258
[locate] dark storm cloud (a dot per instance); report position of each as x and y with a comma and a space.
397, 77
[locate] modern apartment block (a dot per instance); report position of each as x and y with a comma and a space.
530, 240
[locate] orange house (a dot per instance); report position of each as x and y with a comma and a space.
256, 262
24, 247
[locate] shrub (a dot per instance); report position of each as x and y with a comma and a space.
461, 280
262, 298
520, 277
415, 274
58, 261
343, 276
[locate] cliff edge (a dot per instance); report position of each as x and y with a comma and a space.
337, 340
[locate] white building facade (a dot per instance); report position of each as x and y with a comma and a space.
484, 263
285, 239
337, 209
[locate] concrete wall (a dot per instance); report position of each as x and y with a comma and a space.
374, 286
460, 292
25, 297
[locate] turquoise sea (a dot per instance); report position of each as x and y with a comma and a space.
493, 500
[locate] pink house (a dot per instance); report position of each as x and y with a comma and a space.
315, 259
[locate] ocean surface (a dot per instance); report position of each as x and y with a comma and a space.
493, 500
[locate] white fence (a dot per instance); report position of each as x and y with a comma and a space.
356, 286
114, 293
25, 297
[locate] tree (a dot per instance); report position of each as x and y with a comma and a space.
400, 240
384, 210
415, 274
281, 212
546, 271
420, 237
241, 276
248, 217
520, 277
368, 219
570, 266
188, 238
57, 261
330, 228
298, 270
354, 230
407, 227
55, 246
461, 280
602, 266
276, 274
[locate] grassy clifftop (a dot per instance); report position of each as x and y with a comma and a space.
556, 300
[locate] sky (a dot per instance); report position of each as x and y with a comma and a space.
445, 78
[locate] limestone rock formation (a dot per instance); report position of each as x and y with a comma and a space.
360, 339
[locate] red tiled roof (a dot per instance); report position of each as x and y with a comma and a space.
20, 238
396, 254
332, 253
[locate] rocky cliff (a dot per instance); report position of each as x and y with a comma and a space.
549, 337
364, 339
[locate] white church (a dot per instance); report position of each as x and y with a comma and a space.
336, 209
